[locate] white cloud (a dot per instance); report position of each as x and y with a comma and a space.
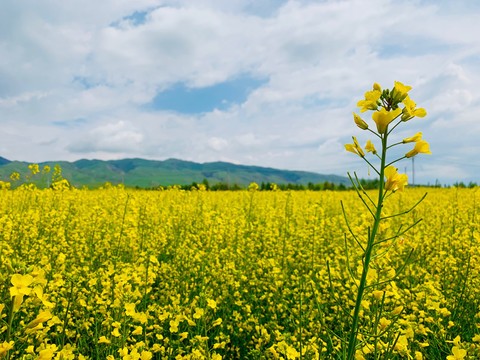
119, 137
63, 61
22, 98
217, 144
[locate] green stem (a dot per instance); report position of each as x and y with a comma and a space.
394, 161
11, 314
374, 133
373, 167
398, 143
10, 319
121, 231
387, 132
65, 318
368, 255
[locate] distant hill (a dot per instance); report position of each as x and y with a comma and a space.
4, 161
150, 173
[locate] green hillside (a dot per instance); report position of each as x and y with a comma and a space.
151, 173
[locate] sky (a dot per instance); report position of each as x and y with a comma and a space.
256, 82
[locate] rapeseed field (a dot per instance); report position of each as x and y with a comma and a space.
138, 275
128, 274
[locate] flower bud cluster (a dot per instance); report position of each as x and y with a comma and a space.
385, 105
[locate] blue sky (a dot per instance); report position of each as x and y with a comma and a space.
266, 82
183, 99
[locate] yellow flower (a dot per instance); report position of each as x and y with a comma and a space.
34, 168
123, 352
146, 355
104, 340
211, 303
292, 353
383, 117
370, 148
383, 323
20, 284
394, 181
378, 294
456, 341
359, 355
141, 317
198, 313
401, 89
174, 326
370, 102
397, 310
355, 148
15, 176
414, 138
420, 147
57, 170
5, 347
130, 309
41, 318
134, 355
5, 185
458, 354
409, 110
190, 321
48, 353
46, 169
360, 122
402, 344
377, 87
399, 92
138, 330
38, 290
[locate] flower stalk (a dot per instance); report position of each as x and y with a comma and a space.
389, 182
368, 256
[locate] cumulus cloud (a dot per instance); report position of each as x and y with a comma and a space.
11, 101
119, 137
106, 62
217, 144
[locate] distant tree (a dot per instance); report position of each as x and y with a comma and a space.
206, 183
236, 187
327, 185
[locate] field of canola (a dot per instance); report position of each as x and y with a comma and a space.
124, 274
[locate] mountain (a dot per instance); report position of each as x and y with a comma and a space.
4, 161
149, 173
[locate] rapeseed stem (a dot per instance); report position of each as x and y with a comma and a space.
368, 254
389, 182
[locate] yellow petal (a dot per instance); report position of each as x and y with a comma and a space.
420, 112
414, 138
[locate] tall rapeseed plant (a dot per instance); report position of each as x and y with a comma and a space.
391, 108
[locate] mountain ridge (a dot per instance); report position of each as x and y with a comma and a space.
151, 173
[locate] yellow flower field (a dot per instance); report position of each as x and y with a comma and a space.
130, 274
